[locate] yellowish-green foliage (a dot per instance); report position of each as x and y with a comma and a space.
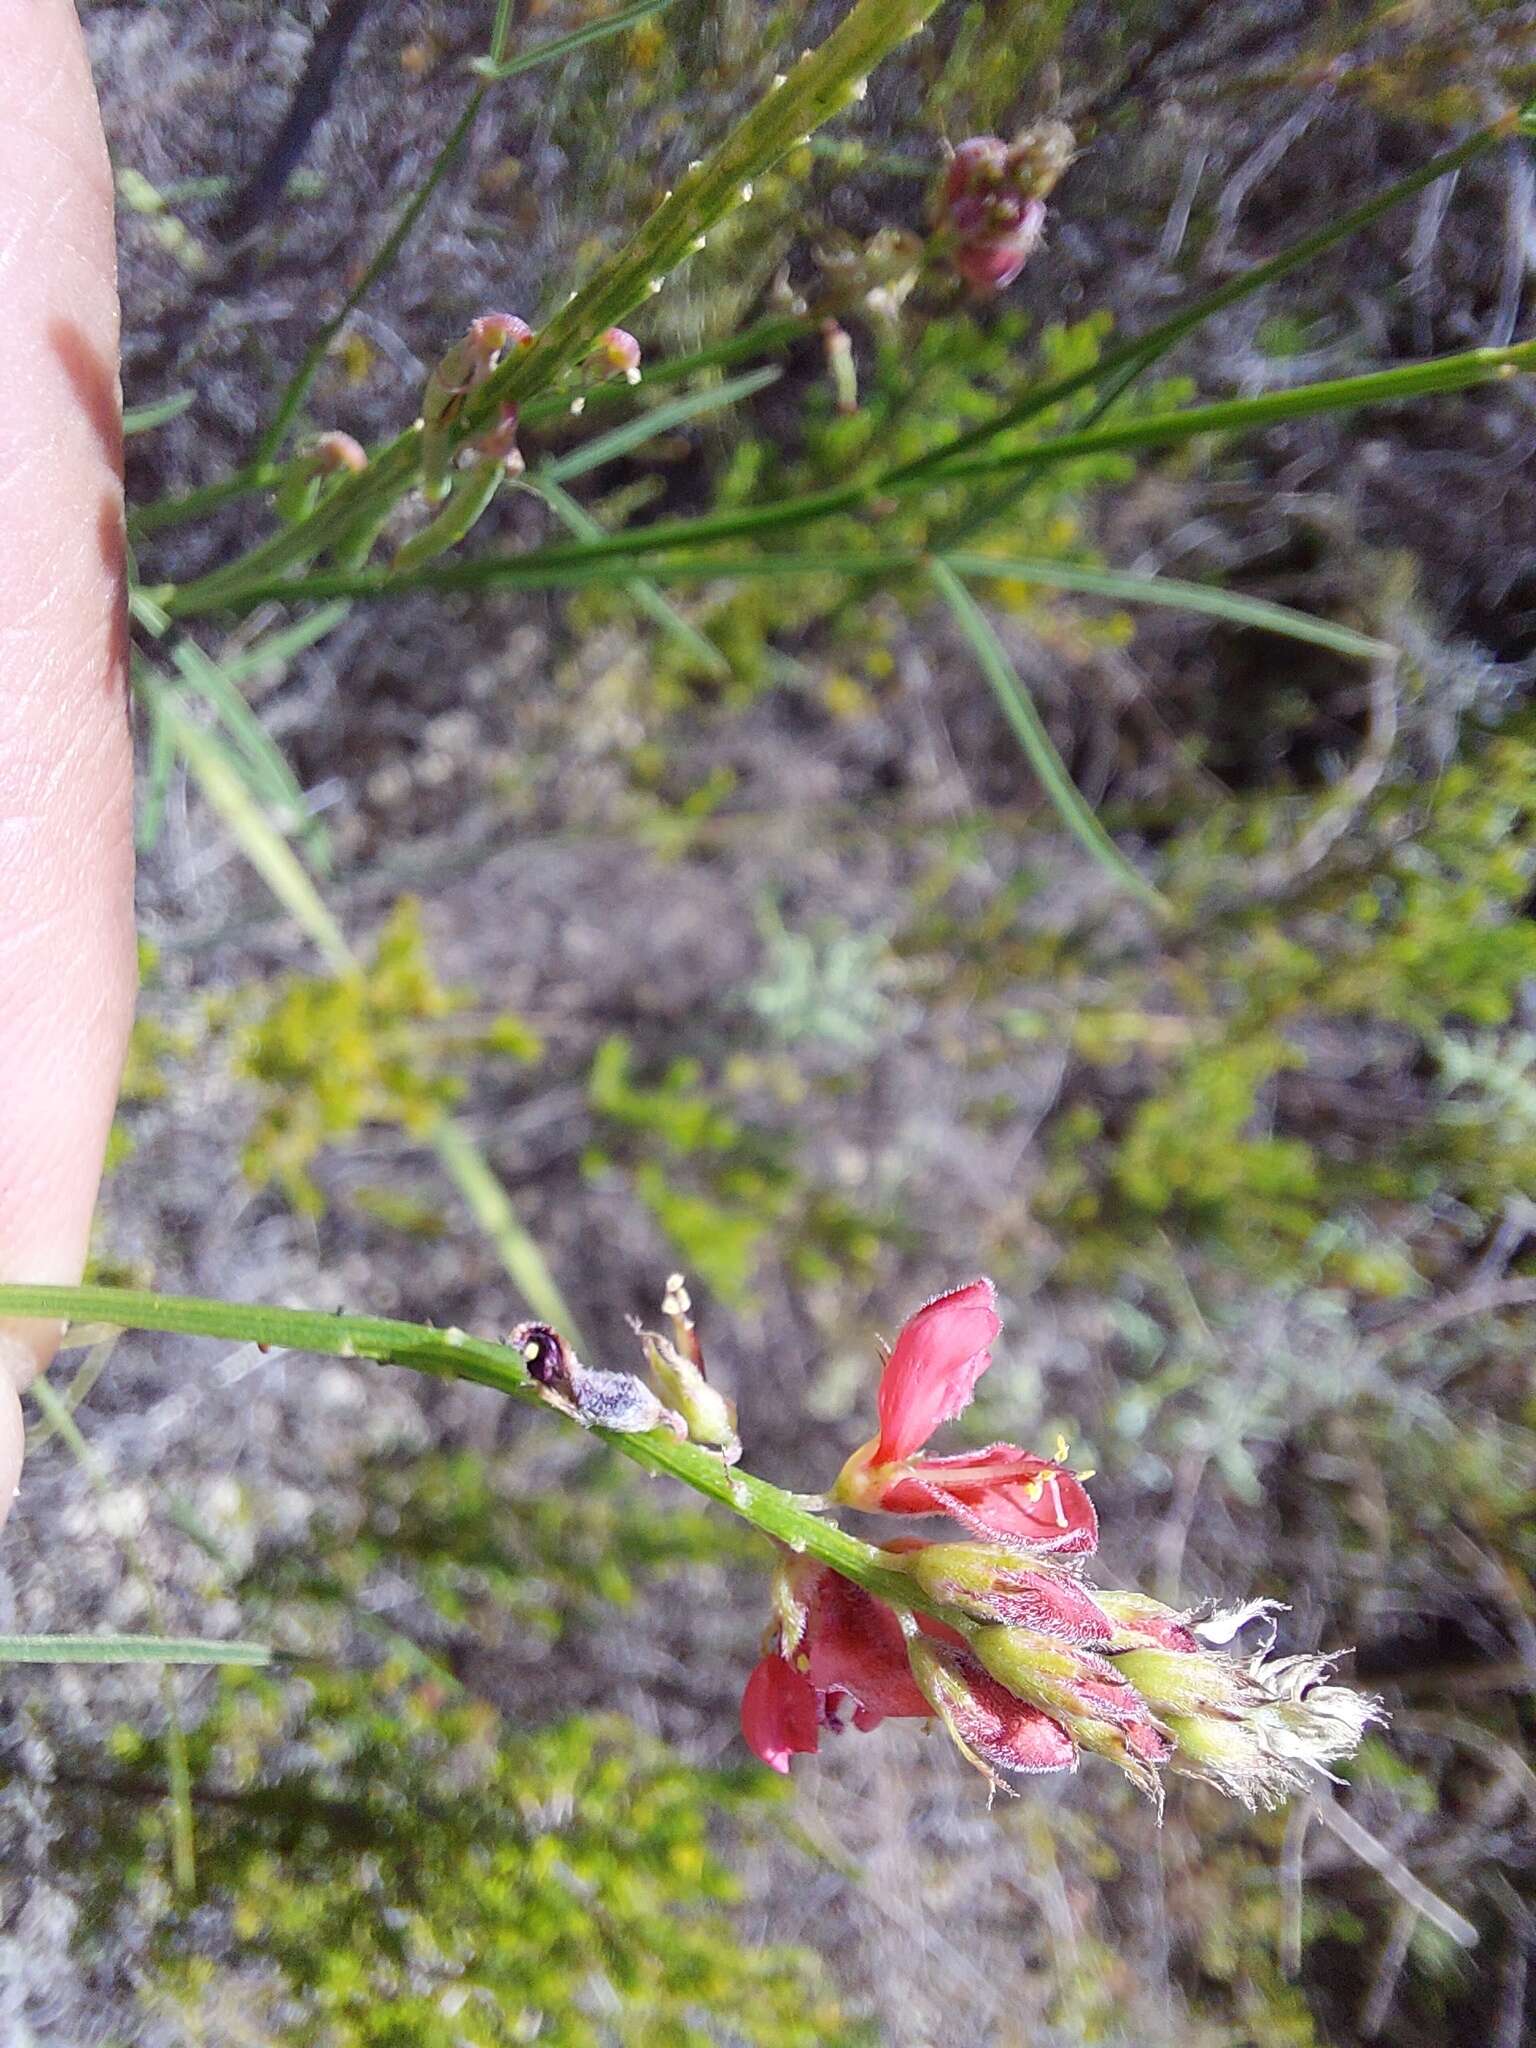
418, 1873
387, 1861
333, 1054
1419, 930
933, 378
723, 1190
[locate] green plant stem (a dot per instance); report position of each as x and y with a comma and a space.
455, 1355
177, 1766
255, 577
822, 84
64, 1649
1338, 394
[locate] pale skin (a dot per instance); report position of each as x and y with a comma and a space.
67, 968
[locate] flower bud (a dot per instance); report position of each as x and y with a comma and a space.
618, 351
1000, 1583
467, 364
1100, 1709
710, 1417
990, 207
991, 1728
318, 460
1139, 1621
1040, 155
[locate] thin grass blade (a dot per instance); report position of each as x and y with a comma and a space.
662, 419
1018, 708
143, 419
221, 782
579, 38
1178, 596
643, 594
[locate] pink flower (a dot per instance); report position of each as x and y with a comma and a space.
779, 1713
990, 204
991, 262
842, 1659
1002, 1491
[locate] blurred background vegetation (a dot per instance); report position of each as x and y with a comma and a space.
780, 969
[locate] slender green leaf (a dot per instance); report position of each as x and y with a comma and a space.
220, 780
1239, 415
129, 1650
269, 777
561, 46
642, 593
487, 1201
155, 784
1186, 597
662, 419
142, 419
276, 649
1019, 709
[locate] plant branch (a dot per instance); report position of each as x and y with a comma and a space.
453, 1354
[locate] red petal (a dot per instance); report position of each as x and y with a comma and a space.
931, 1374
778, 1713
856, 1646
993, 1493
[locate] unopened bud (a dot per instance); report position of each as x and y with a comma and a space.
334, 453
1000, 1583
1094, 1702
479, 352
619, 352
318, 460
710, 1418
1139, 1622
1040, 155
992, 1729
